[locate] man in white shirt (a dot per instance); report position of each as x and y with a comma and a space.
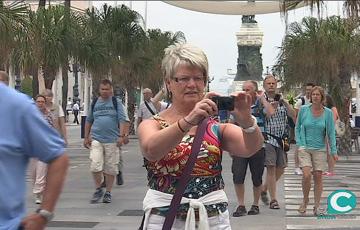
303, 100
151, 105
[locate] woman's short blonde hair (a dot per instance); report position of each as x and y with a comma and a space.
183, 54
322, 93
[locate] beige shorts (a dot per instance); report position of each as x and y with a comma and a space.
315, 159
104, 157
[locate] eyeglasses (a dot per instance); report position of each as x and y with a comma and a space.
186, 79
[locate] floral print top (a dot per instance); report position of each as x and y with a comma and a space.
163, 175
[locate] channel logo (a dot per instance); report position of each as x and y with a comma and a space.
341, 202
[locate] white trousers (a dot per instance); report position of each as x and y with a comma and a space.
219, 222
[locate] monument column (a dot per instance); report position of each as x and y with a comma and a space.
249, 62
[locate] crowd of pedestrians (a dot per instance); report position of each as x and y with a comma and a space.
255, 136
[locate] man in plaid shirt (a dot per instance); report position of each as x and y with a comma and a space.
276, 126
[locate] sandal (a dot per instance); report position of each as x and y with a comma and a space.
274, 204
318, 211
302, 208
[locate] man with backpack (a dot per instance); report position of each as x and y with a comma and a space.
106, 129
303, 100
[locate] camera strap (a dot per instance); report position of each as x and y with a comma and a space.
180, 188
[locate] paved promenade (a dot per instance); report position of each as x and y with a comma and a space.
125, 212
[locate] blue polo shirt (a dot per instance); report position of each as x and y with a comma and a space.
105, 120
24, 133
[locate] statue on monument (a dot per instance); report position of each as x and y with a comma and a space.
248, 19
249, 63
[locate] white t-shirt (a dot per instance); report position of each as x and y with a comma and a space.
75, 107
144, 112
298, 103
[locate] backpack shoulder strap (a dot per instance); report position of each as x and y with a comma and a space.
114, 101
93, 104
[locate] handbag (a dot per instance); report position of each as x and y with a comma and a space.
283, 142
185, 177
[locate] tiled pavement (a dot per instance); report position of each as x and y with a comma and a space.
75, 213
345, 167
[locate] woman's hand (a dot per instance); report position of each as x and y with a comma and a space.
203, 109
242, 109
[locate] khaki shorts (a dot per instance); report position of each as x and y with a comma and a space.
275, 156
104, 157
315, 159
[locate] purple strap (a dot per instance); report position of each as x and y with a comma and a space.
185, 177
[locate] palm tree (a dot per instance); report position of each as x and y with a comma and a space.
13, 19
351, 7
326, 52
157, 41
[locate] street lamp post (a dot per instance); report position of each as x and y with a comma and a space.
17, 82
75, 70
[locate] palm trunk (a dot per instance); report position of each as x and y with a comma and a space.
131, 108
65, 80
345, 94
41, 80
35, 83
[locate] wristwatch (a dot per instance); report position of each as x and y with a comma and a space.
48, 216
252, 128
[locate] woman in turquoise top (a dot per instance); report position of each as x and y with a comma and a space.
314, 125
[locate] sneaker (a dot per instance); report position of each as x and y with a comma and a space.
98, 194
38, 198
119, 179
254, 210
240, 211
264, 198
107, 197
298, 171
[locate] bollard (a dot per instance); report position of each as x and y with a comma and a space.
357, 121
82, 123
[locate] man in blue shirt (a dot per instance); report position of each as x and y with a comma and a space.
26, 134
106, 129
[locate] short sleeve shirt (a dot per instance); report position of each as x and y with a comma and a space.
144, 112
27, 135
105, 120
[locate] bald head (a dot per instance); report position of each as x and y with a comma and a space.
147, 94
4, 77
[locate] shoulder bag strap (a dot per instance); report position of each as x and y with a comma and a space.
149, 108
180, 188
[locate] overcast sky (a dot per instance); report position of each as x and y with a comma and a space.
215, 34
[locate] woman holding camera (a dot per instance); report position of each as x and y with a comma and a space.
314, 125
166, 142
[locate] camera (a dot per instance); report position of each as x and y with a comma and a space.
224, 103
277, 97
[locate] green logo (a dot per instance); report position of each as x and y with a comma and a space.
341, 201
